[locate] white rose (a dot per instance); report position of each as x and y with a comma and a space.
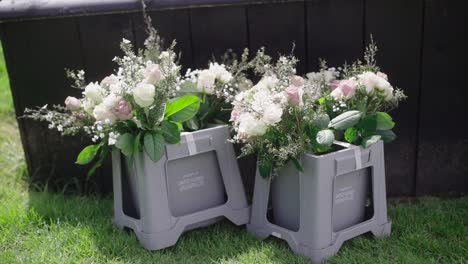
108, 81
250, 126
104, 114
206, 81
88, 105
267, 82
220, 72
152, 73
72, 103
373, 81
144, 94
94, 92
272, 114
111, 101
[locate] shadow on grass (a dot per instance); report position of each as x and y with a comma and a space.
78, 221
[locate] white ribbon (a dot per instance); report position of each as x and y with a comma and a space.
357, 152
190, 141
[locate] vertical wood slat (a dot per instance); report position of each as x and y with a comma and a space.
38, 52
100, 42
215, 30
334, 31
171, 25
443, 143
397, 28
277, 27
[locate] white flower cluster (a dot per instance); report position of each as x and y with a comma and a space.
263, 105
209, 81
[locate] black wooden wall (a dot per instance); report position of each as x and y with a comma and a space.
423, 49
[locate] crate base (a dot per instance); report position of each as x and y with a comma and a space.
319, 255
172, 196
168, 238
318, 237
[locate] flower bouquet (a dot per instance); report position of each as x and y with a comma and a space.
165, 182
323, 191
134, 109
359, 99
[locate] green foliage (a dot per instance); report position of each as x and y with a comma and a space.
182, 109
154, 145
88, 154
367, 141
384, 121
126, 144
170, 132
325, 137
345, 120
351, 134
265, 168
386, 135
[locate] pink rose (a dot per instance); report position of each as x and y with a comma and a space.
382, 75
296, 80
334, 84
343, 88
108, 81
294, 94
152, 73
72, 103
235, 113
123, 110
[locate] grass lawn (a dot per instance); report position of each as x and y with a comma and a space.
40, 227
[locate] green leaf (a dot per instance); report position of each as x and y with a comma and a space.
170, 132
154, 145
387, 135
368, 123
186, 114
98, 164
87, 154
366, 142
192, 124
297, 164
351, 135
325, 137
265, 168
345, 120
137, 143
322, 121
384, 121
188, 105
126, 144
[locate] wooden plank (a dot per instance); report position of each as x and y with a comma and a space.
37, 53
443, 143
334, 31
214, 30
100, 42
171, 25
397, 28
277, 27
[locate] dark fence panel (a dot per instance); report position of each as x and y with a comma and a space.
396, 26
422, 48
215, 30
277, 27
443, 137
334, 31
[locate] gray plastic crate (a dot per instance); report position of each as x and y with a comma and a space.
195, 184
317, 210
